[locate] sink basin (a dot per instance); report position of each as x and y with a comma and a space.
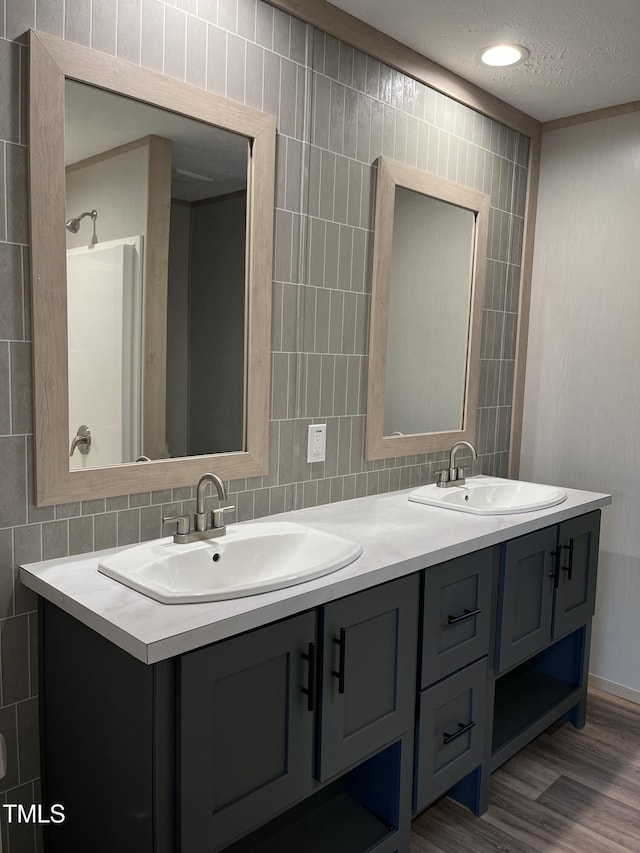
247, 560
491, 496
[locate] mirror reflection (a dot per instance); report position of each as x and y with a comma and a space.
156, 224
429, 257
429, 312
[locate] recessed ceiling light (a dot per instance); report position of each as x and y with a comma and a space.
504, 54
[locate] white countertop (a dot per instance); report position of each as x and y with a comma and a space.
398, 537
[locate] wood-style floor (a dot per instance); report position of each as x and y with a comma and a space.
567, 791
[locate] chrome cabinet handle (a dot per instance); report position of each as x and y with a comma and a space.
81, 440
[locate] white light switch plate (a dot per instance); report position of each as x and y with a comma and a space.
317, 443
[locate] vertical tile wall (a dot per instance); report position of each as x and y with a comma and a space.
337, 110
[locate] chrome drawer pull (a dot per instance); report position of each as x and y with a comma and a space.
466, 614
462, 729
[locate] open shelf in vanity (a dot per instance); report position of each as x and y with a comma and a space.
535, 694
356, 812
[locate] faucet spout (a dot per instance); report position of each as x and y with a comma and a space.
202, 485
201, 527
458, 446
200, 514
454, 476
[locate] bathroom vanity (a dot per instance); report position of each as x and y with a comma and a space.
323, 716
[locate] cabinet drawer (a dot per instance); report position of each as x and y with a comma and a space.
450, 732
457, 614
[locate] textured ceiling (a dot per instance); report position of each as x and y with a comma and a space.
585, 54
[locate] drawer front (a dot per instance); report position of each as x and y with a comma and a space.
457, 614
450, 732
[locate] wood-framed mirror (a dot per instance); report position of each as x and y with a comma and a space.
429, 258
160, 326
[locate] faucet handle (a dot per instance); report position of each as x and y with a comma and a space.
442, 477
218, 515
182, 522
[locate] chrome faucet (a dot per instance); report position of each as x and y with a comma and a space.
200, 517
454, 476
206, 525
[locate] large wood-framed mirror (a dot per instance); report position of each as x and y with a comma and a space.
151, 211
429, 258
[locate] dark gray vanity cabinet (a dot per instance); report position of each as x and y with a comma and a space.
457, 614
306, 733
266, 718
245, 731
369, 666
547, 587
546, 601
262, 740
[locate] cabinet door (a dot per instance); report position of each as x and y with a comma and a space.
526, 597
456, 614
578, 540
369, 672
245, 732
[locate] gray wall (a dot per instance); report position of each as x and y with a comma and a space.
582, 396
216, 324
336, 112
178, 330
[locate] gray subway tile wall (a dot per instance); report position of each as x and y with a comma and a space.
337, 110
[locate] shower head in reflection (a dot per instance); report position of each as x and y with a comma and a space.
73, 225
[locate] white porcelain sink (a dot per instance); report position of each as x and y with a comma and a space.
491, 496
248, 559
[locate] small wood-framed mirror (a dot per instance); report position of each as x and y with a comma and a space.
429, 257
98, 126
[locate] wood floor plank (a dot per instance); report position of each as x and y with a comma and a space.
613, 701
613, 724
614, 778
602, 752
453, 829
594, 810
546, 830
526, 776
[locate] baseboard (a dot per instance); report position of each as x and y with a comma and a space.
615, 689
